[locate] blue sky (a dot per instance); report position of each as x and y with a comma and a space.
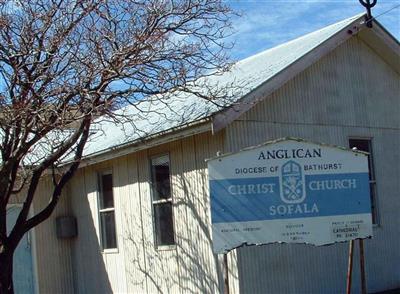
265, 23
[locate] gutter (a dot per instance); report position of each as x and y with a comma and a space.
186, 130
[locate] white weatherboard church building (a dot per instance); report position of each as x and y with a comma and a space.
142, 205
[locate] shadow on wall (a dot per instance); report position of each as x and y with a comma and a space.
139, 267
187, 267
88, 265
190, 265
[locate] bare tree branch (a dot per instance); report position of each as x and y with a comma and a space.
67, 65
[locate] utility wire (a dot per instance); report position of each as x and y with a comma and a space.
394, 7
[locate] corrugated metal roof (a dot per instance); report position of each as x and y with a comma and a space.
152, 116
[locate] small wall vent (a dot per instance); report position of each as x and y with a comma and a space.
66, 227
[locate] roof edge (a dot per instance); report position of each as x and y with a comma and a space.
382, 30
383, 43
186, 130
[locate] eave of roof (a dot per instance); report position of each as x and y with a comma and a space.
180, 132
383, 43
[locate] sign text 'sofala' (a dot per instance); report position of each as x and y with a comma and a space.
289, 191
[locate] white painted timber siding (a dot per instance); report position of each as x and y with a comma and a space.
52, 263
94, 271
137, 266
351, 92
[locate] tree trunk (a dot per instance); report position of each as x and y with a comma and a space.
6, 272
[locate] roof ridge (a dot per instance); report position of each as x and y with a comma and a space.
344, 21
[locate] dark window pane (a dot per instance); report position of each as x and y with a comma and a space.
373, 202
106, 196
161, 179
364, 145
108, 236
360, 144
164, 224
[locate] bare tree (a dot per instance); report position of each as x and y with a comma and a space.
64, 63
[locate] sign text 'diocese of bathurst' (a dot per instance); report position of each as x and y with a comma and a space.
290, 191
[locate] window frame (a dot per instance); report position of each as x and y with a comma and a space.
161, 247
100, 210
372, 173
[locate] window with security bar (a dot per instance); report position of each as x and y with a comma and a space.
363, 144
162, 201
108, 236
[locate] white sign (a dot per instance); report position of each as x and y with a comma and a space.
289, 191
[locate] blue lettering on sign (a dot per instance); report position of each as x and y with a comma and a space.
254, 199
